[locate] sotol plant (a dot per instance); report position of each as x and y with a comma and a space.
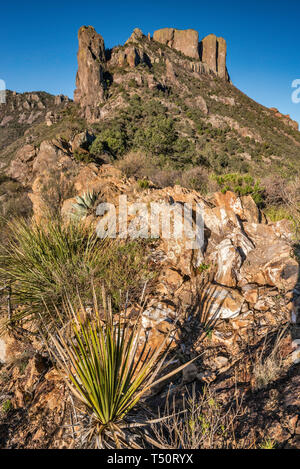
107, 369
45, 262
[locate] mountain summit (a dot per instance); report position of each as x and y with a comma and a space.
96, 64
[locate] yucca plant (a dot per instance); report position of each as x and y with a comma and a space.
84, 204
106, 368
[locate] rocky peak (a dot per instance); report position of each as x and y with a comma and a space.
135, 36
90, 84
97, 68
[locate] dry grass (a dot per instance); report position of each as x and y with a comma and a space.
204, 423
268, 364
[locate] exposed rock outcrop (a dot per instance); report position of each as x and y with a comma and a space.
213, 52
90, 83
185, 41
286, 118
135, 36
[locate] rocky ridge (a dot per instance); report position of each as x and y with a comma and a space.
96, 65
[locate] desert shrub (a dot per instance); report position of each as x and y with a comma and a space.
275, 187
7, 406
83, 156
45, 263
166, 177
158, 136
268, 363
15, 202
196, 179
268, 444
278, 213
241, 185
111, 140
134, 164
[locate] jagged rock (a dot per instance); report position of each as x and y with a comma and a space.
91, 62
229, 261
185, 41
224, 99
51, 118
60, 99
26, 153
46, 158
199, 102
170, 73
135, 36
132, 56
82, 140
10, 347
270, 263
221, 302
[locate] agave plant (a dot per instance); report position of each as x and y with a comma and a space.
106, 368
84, 204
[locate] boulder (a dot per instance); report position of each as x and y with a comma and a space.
221, 303
26, 153
270, 263
46, 158
229, 261
82, 140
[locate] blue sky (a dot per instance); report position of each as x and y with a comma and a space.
39, 40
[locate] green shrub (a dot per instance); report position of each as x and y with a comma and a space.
241, 185
48, 262
158, 136
111, 140
83, 156
7, 406
143, 183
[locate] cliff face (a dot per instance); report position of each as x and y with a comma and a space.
186, 41
211, 50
